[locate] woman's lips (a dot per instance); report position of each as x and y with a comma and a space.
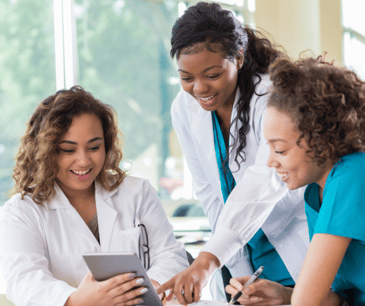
206, 101
284, 176
82, 175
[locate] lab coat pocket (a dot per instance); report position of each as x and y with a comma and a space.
127, 241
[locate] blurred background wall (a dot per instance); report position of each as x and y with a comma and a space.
303, 25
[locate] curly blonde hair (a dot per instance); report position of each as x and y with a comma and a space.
36, 166
326, 102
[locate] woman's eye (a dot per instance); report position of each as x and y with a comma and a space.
94, 148
67, 151
279, 152
186, 79
214, 76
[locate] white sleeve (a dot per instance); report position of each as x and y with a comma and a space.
247, 208
167, 255
250, 202
29, 281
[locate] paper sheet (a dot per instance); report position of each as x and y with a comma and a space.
200, 303
204, 303
209, 303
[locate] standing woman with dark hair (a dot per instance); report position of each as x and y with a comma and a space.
218, 119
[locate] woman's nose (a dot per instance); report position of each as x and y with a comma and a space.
271, 162
83, 158
200, 87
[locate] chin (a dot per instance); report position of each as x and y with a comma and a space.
294, 186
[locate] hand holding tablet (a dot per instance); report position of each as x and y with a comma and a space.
106, 265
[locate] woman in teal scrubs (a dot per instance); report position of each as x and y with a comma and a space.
315, 127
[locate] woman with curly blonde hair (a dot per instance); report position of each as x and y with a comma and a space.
315, 126
71, 197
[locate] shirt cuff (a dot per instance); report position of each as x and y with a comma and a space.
223, 244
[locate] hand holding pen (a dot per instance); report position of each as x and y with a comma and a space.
249, 282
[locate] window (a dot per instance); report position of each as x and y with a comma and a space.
27, 69
354, 35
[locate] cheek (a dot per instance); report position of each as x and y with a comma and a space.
101, 159
188, 87
62, 163
229, 83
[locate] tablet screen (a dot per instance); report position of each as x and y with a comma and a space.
106, 265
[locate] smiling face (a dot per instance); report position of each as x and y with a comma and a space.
82, 154
290, 161
209, 77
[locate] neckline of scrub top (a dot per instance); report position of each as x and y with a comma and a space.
225, 175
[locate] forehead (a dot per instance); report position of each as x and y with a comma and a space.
85, 126
201, 59
279, 125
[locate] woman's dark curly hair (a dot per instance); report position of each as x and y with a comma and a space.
326, 102
36, 167
221, 32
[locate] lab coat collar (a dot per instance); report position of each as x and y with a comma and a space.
107, 214
60, 200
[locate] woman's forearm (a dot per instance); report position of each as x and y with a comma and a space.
332, 299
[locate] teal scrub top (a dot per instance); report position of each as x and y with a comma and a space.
342, 213
260, 249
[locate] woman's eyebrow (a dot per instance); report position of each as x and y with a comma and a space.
95, 139
75, 143
205, 70
275, 140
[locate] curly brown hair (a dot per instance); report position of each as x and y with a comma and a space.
326, 102
36, 166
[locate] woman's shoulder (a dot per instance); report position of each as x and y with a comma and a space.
134, 184
351, 163
348, 172
18, 206
264, 84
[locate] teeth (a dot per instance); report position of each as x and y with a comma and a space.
81, 172
208, 98
283, 176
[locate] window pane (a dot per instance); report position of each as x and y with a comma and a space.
354, 52
27, 69
123, 53
353, 15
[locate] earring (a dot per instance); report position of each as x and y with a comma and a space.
239, 63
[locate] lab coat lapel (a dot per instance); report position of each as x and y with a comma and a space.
107, 216
75, 222
202, 129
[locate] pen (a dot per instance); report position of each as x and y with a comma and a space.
250, 281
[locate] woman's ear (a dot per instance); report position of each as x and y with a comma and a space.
239, 59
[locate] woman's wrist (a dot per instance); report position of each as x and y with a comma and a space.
288, 292
72, 300
207, 261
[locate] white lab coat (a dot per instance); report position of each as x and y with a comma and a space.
41, 246
259, 199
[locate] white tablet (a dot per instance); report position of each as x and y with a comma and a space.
107, 265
